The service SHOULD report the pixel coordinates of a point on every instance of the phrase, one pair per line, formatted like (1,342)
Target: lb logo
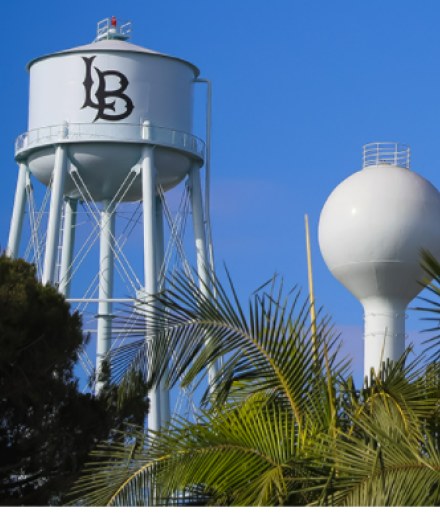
(105,110)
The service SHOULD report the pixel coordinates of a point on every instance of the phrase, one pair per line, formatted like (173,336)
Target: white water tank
(110,123)
(105,100)
(371,230)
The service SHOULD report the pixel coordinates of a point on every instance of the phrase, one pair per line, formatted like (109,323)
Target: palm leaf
(385,468)
(270,349)
(431,283)
(253,454)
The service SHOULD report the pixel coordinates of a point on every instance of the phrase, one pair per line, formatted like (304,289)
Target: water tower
(371,230)
(110,124)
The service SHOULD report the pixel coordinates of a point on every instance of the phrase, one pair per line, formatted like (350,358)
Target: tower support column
(384,332)
(18,212)
(70,210)
(106,276)
(200,241)
(150,270)
(56,202)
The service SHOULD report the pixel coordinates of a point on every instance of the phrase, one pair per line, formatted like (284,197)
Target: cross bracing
(88,226)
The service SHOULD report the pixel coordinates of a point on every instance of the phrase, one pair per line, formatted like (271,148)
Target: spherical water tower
(371,230)
(111,122)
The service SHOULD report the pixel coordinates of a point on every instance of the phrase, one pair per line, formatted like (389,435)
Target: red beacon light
(113,21)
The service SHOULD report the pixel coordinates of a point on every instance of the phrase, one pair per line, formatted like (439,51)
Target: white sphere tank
(105,100)
(371,231)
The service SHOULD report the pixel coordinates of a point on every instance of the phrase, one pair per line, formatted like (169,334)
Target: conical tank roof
(112,46)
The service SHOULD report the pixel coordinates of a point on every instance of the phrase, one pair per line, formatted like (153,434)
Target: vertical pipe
(106,275)
(165,415)
(56,201)
(208,169)
(150,271)
(208,179)
(17,214)
(311,293)
(200,241)
(68,246)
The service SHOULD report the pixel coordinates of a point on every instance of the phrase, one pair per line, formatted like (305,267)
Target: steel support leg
(17,214)
(165,415)
(150,271)
(71,206)
(200,241)
(56,202)
(106,275)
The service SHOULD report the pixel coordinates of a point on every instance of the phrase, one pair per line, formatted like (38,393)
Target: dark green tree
(47,427)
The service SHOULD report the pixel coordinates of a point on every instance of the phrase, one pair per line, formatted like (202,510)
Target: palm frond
(431,283)
(252,454)
(386,467)
(404,388)
(269,348)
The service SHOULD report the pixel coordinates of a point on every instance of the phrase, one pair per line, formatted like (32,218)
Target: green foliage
(283,423)
(47,427)
(432,311)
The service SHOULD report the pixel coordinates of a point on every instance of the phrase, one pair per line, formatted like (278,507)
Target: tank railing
(110,132)
(104,27)
(125,28)
(394,154)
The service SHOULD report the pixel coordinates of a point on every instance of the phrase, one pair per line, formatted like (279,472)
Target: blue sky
(299,87)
